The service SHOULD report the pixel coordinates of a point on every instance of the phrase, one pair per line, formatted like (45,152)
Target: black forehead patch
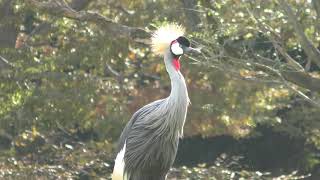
(184,41)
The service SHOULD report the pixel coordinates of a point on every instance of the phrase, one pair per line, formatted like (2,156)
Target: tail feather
(118,170)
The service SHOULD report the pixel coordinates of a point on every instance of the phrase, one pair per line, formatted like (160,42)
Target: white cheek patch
(176,49)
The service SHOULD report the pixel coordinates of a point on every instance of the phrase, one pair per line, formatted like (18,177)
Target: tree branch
(192,16)
(8,29)
(6,9)
(285,82)
(5,62)
(61,9)
(264,27)
(316,5)
(298,76)
(312,52)
(302,79)
(79,4)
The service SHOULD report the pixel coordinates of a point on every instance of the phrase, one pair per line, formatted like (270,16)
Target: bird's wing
(142,112)
(138,137)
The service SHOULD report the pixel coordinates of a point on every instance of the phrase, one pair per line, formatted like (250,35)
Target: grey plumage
(152,134)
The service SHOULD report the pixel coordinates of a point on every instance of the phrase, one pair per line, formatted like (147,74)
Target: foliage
(63,77)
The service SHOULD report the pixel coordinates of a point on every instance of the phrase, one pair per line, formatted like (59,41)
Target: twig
(111,70)
(312,52)
(301,94)
(60,9)
(6,61)
(291,62)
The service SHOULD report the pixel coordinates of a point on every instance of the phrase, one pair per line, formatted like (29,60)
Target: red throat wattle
(176,63)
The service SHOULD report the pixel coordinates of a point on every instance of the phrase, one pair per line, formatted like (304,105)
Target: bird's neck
(179,92)
(178,84)
(178,99)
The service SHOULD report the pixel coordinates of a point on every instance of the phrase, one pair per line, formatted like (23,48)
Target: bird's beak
(192,50)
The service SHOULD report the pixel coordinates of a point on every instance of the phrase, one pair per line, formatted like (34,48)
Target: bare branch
(60,9)
(5,61)
(192,16)
(302,79)
(300,93)
(279,74)
(299,78)
(312,52)
(110,70)
(3,133)
(291,62)
(118,5)
(6,9)
(264,27)
(316,5)
(79,4)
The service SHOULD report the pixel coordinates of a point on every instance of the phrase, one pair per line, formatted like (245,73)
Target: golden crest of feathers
(164,35)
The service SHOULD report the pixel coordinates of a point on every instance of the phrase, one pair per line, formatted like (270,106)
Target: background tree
(73,71)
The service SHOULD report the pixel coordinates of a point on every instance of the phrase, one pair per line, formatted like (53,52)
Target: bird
(148,144)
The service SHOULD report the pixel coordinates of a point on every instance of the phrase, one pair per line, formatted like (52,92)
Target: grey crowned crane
(149,142)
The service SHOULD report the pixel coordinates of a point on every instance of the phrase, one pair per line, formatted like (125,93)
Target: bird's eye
(176,49)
